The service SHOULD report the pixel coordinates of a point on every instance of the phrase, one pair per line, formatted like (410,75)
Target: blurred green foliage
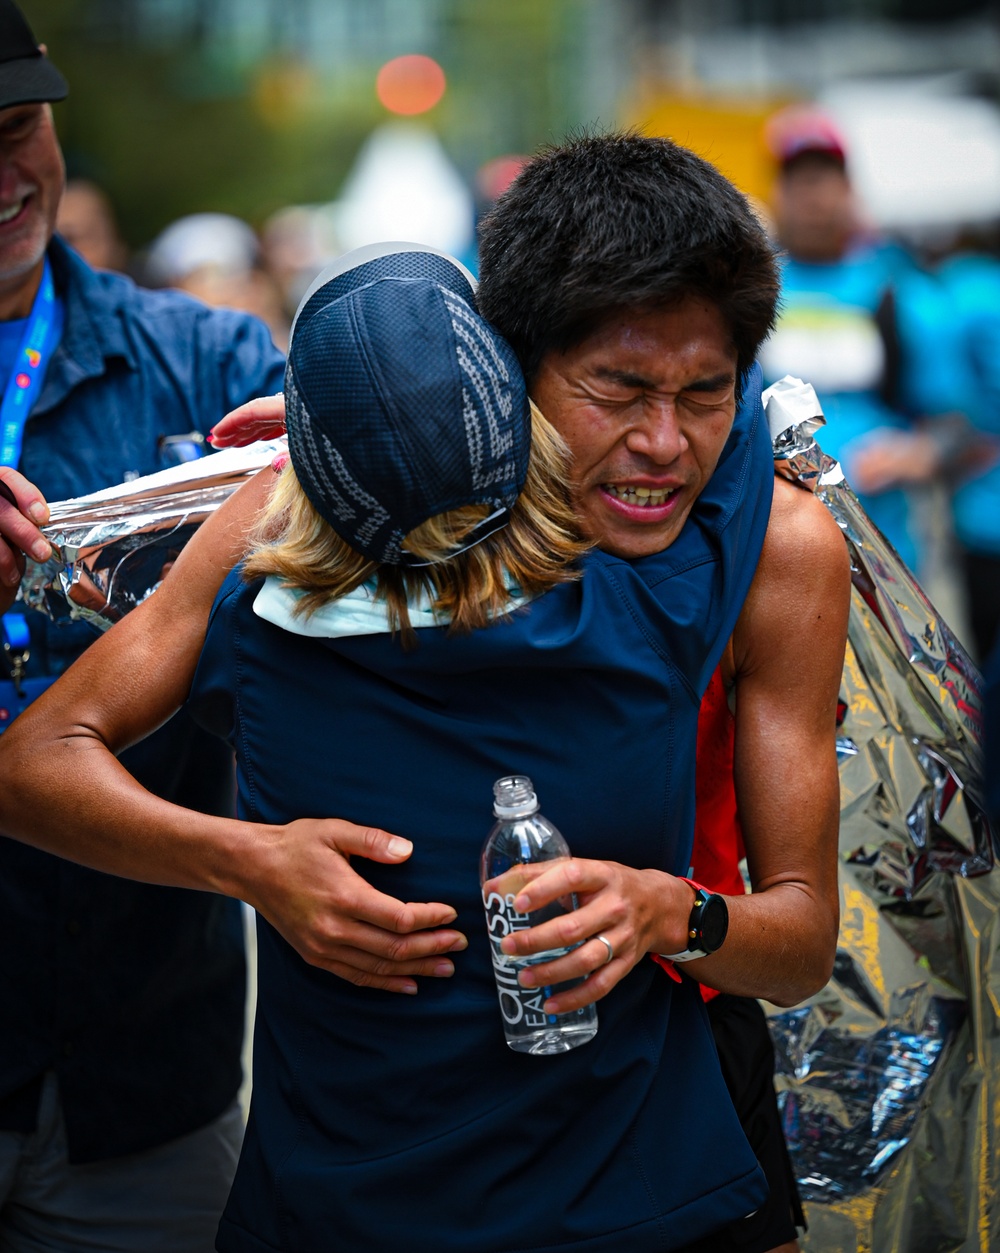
(173,111)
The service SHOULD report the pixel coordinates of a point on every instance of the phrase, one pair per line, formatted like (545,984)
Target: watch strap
(701,894)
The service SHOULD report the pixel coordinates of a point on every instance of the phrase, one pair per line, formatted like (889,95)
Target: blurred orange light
(410,84)
(493,178)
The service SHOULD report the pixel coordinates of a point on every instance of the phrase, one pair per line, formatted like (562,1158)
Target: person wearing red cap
(862,324)
(123,1004)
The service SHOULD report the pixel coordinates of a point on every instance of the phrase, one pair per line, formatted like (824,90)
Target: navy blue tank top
(386,1122)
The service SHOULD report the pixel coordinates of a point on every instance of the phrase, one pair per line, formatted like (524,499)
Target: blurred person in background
(971,275)
(216,257)
(123,1003)
(875,336)
(86,221)
(296,242)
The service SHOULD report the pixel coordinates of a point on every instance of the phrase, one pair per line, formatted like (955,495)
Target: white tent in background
(921,156)
(403,186)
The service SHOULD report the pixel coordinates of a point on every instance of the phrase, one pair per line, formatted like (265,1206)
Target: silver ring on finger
(607,944)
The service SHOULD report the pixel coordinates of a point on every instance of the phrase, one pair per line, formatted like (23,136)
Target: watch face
(713,924)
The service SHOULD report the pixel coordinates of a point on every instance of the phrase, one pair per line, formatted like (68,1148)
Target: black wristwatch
(707,925)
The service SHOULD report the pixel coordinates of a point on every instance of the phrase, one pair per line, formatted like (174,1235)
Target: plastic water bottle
(518,850)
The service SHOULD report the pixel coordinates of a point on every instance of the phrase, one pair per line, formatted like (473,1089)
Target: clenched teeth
(642,496)
(7,215)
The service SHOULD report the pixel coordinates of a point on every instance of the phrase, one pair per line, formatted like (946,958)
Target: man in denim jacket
(123,1002)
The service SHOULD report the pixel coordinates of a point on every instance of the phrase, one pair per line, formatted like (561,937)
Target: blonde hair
(538,548)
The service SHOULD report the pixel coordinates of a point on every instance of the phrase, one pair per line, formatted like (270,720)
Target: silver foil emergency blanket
(889,1079)
(112,548)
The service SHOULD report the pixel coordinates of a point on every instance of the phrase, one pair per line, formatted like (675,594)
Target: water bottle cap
(514,797)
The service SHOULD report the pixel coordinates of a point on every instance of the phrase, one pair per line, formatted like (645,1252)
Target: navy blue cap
(27,76)
(403,403)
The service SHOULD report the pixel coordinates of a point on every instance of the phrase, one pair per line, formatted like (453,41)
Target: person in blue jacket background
(972,277)
(874,334)
(120,1055)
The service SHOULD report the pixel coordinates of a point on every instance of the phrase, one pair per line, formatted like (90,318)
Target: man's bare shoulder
(800,595)
(802,536)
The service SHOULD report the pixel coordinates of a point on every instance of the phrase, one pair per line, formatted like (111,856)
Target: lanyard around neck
(41,336)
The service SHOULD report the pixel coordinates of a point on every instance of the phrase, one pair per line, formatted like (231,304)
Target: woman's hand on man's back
(303,883)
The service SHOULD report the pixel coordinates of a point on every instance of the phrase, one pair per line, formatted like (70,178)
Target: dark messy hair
(605,223)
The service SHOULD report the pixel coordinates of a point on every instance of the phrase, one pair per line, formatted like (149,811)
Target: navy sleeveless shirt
(386,1122)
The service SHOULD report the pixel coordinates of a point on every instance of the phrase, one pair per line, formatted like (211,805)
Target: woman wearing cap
(417,616)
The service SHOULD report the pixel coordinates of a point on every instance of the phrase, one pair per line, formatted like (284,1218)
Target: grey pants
(165,1200)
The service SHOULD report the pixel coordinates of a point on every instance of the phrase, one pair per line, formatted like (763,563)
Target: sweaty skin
(646,404)
(782,939)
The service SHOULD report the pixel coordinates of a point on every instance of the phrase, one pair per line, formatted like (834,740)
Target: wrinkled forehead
(689,327)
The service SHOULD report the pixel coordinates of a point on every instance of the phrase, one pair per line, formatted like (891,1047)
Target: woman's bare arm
(65,791)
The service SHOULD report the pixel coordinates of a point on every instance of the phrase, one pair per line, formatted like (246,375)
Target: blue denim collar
(93,329)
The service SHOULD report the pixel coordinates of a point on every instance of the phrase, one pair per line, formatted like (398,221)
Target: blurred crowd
(900,337)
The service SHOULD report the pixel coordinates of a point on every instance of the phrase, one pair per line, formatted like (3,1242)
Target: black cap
(27,76)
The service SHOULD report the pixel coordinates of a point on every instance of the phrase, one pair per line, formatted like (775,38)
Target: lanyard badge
(39,342)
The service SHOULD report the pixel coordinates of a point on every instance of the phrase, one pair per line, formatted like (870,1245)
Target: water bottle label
(521,1007)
